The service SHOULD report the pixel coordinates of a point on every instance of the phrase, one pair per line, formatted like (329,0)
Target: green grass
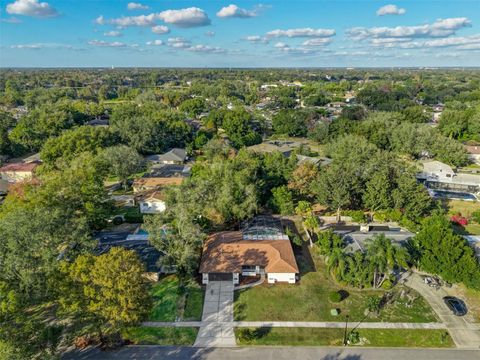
(169,303)
(165,297)
(161,335)
(308,301)
(334,337)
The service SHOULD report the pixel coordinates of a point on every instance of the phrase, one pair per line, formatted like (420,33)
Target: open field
(334,337)
(308,301)
(161,335)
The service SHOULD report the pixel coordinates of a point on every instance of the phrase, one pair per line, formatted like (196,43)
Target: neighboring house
(440,176)
(152,202)
(136,241)
(319,161)
(32,158)
(355,236)
(473,153)
(285,147)
(16,172)
(229,254)
(174,156)
(154,183)
(160,176)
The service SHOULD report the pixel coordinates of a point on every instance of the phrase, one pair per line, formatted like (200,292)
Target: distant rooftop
(174,155)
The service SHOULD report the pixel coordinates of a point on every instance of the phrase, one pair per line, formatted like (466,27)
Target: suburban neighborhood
(285,180)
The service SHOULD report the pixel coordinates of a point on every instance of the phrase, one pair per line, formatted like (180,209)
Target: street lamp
(345,335)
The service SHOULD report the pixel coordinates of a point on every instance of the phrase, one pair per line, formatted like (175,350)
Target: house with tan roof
(152,202)
(16,172)
(228,255)
(154,183)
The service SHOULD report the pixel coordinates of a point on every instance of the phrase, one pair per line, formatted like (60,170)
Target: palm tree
(336,263)
(383,257)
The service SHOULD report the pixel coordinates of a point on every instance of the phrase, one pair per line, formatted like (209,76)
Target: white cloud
(100,20)
(317,42)
(189,17)
(390,10)
(304,32)
(185,18)
(11,20)
(439,28)
(209,33)
(178,43)
(155,43)
(113,33)
(101,43)
(37,46)
(232,11)
(160,29)
(285,48)
(206,49)
(136,6)
(31,8)
(255,39)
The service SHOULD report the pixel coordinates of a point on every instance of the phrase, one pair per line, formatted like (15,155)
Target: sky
(281,33)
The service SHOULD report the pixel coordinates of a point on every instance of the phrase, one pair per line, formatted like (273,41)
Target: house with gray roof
(356,237)
(174,156)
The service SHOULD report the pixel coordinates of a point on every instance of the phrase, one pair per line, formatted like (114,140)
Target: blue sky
(91,33)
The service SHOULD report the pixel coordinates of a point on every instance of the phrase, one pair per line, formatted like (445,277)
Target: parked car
(456,305)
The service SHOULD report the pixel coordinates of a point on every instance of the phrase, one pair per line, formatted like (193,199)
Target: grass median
(278,336)
(161,335)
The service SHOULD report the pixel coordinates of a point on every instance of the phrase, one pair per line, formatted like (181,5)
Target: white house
(230,254)
(152,202)
(437,175)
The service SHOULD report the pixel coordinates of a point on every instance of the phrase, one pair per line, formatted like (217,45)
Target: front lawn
(308,300)
(161,335)
(171,303)
(334,337)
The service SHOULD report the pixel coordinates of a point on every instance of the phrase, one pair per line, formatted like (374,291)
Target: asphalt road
(272,353)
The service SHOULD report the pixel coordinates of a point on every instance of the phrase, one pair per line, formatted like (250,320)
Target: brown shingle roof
(23,167)
(153,181)
(226,252)
(473,149)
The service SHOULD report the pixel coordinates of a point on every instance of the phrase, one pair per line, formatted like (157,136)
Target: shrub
(246,335)
(373,303)
(356,215)
(459,219)
(387,285)
(335,297)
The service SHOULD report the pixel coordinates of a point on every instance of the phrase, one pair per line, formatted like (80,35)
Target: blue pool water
(444,194)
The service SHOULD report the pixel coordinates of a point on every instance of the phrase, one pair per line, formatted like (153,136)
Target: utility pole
(345,335)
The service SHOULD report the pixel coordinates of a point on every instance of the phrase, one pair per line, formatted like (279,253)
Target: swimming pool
(445,194)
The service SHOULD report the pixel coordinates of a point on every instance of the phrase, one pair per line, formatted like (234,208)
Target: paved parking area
(217,318)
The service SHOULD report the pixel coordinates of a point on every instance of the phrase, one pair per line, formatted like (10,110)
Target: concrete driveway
(217,319)
(465,334)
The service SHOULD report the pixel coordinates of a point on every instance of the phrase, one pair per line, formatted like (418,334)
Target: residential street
(272,353)
(464,333)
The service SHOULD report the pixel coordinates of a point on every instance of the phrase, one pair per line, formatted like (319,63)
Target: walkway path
(216,327)
(305,324)
(465,334)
